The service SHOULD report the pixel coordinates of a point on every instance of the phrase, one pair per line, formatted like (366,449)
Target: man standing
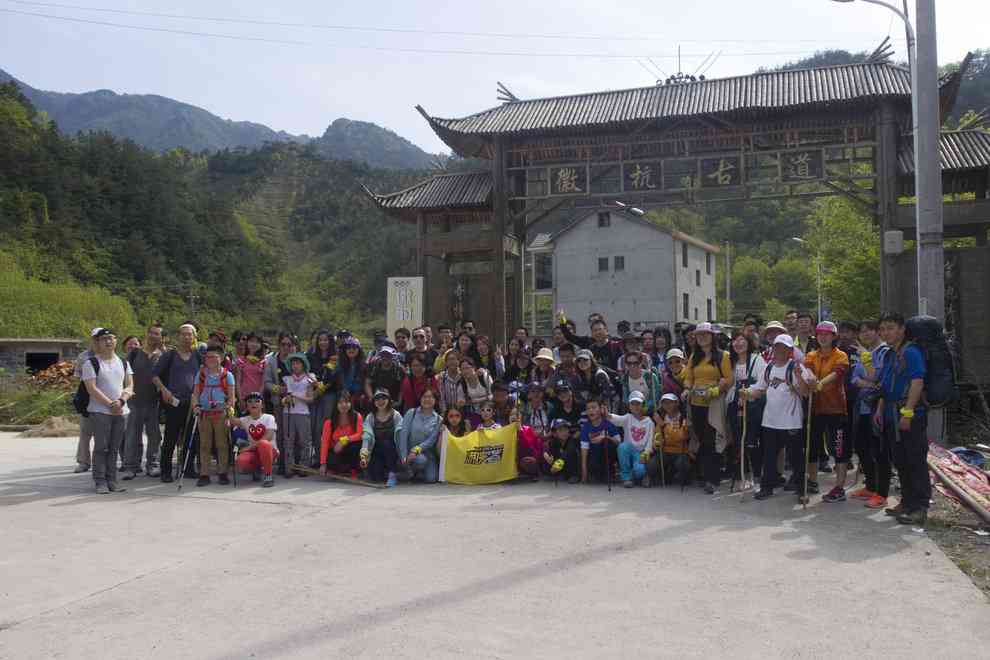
(175,377)
(108,380)
(805,339)
(144,408)
(421,347)
(402,341)
(385,373)
(791,322)
(904,421)
(85,423)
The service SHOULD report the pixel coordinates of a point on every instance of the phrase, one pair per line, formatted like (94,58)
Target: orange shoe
(876,502)
(862,494)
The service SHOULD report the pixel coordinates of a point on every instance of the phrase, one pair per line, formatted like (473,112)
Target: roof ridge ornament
(882,53)
(504,94)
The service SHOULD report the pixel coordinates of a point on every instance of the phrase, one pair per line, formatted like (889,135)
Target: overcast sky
(327,73)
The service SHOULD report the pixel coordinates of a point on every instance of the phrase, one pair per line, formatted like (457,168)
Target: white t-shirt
(297,388)
(110,381)
(257,428)
(639,385)
(636,432)
(783,410)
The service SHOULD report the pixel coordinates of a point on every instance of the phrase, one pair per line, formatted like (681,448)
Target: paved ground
(311,569)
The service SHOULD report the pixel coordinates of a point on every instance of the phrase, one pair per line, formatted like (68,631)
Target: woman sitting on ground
(340,442)
(420,431)
(258,457)
(380,440)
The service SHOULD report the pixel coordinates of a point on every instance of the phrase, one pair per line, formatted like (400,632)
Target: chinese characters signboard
(404,307)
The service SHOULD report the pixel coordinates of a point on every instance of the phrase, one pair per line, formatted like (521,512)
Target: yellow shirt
(705,375)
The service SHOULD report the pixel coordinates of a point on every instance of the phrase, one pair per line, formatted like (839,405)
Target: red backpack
(204,386)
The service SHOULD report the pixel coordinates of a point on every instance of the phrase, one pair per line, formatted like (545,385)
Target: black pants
(570,452)
(773,441)
(828,438)
(597,470)
(911,459)
(754,424)
(709,458)
(178,423)
(384,459)
(799,458)
(869,449)
(348,459)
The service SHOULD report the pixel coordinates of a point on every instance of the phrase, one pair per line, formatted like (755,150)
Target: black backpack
(925,332)
(80,400)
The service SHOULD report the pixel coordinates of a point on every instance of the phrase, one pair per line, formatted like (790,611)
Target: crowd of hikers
(776,403)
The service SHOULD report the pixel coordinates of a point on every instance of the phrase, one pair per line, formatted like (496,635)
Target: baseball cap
(102,332)
(585,354)
(826,326)
(704,327)
(774,325)
(675,353)
(254,396)
(382,393)
(557,423)
(668,397)
(561,386)
(785,340)
(387,350)
(95,332)
(636,397)
(351,340)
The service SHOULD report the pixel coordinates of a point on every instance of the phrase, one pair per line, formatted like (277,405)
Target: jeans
(629,465)
(911,459)
(424,466)
(108,434)
(384,459)
(142,420)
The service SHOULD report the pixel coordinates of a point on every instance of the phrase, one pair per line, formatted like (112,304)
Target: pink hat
(826,326)
(704,327)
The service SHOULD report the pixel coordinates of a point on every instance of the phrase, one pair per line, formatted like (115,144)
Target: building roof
(632,217)
(958,150)
(38,340)
(464,189)
(752,94)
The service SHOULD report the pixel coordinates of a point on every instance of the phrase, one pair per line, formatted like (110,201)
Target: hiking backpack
(222,385)
(80,400)
(925,332)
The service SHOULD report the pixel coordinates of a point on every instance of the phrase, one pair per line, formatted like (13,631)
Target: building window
(602,264)
(708,263)
(686,300)
(543,271)
(604,219)
(710,319)
(620,264)
(684,255)
(695,313)
(697,277)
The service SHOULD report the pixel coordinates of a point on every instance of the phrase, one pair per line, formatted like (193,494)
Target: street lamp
(818,262)
(925,110)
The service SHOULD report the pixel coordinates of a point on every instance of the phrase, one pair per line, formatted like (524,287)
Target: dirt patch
(954,529)
(54,427)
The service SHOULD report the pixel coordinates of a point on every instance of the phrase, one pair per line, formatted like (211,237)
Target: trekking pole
(608,470)
(663,472)
(807,450)
(189,444)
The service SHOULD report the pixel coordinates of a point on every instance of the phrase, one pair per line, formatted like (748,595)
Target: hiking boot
(392,480)
(130,474)
(763,494)
(268,481)
(895,511)
(203,481)
(114,488)
(101,489)
(628,483)
(916,518)
(813,488)
(876,502)
(80,468)
(223,479)
(863,494)
(153,472)
(835,495)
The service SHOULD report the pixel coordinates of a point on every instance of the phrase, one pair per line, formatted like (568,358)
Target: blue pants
(629,466)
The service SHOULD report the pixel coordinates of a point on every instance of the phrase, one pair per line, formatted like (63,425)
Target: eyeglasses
(419,336)
(632,364)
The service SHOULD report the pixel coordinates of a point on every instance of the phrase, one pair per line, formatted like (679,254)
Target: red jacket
(412,390)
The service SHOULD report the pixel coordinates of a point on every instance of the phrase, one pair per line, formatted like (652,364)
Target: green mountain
(161,123)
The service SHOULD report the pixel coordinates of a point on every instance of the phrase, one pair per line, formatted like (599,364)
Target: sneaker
(835,495)
(203,481)
(876,502)
(223,479)
(895,511)
(628,483)
(101,489)
(268,481)
(916,518)
(114,488)
(813,488)
(763,494)
(825,467)
(81,468)
(153,472)
(391,481)
(130,474)
(863,494)
(645,482)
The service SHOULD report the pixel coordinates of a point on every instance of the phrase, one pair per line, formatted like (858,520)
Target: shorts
(829,437)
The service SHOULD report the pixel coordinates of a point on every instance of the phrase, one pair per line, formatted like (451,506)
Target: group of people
(704,404)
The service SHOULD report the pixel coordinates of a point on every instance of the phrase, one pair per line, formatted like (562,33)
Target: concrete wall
(643,291)
(13,355)
(698,295)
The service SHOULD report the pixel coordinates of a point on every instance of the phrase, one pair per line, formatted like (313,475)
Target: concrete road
(316,569)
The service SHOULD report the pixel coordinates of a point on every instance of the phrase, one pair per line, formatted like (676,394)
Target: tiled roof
(441,191)
(958,150)
(755,93)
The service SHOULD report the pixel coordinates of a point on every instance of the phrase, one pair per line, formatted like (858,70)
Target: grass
(22,402)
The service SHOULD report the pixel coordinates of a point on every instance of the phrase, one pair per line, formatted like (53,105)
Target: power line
(394,49)
(422,31)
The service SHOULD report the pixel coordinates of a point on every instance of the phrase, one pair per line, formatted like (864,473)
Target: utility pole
(728,284)
(927,171)
(192,303)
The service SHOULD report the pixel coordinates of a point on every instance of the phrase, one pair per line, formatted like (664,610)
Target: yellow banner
(480,457)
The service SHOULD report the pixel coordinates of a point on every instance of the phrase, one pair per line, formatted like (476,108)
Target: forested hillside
(247,238)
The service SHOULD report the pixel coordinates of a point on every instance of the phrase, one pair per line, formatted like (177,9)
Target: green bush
(23,402)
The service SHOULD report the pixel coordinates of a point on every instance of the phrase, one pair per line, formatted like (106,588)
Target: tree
(751,285)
